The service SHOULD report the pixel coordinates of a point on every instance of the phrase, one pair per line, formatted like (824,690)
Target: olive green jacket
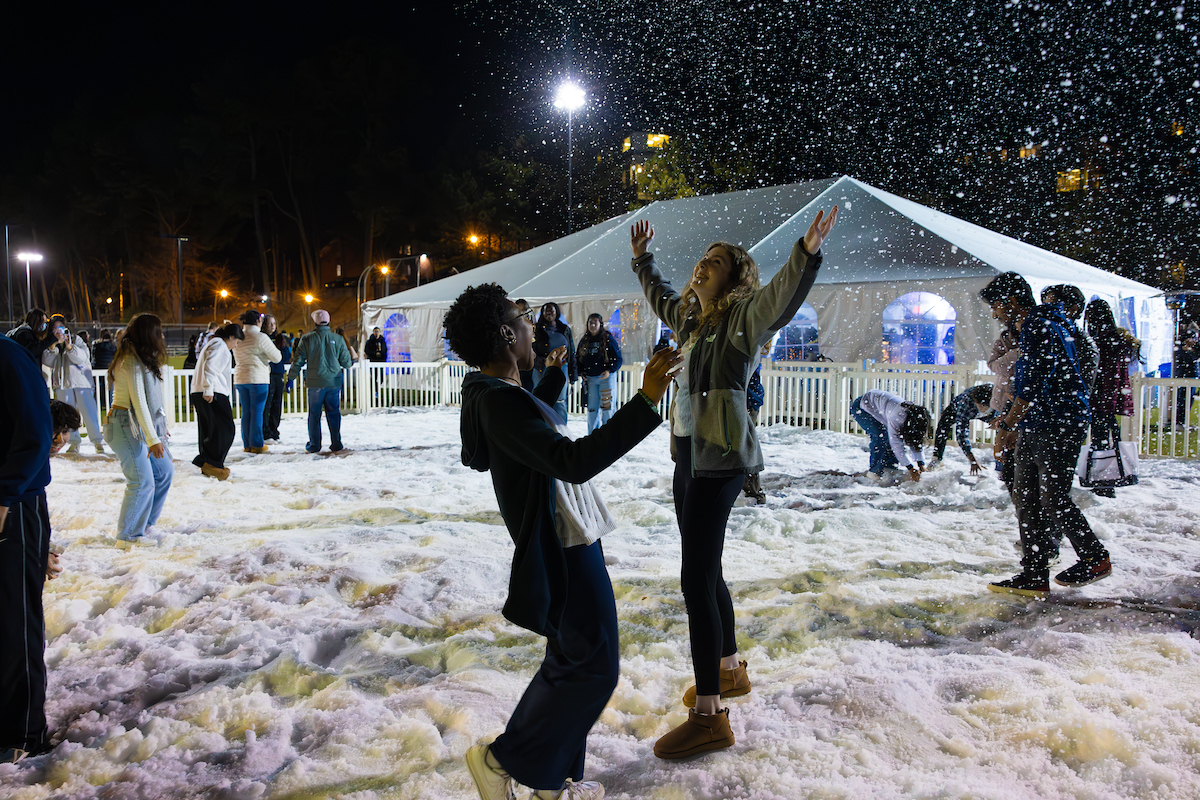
(724,356)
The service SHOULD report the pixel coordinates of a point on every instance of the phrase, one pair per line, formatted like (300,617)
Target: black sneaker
(1024,584)
(1084,572)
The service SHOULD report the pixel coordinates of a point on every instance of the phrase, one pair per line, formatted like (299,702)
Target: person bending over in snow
(971,404)
(558,586)
(893,425)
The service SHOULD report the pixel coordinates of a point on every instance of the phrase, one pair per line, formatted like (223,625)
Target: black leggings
(702,506)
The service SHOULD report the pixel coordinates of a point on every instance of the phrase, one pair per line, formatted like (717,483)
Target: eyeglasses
(527,314)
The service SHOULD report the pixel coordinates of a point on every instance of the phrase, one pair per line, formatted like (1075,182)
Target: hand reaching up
(640,236)
(819,230)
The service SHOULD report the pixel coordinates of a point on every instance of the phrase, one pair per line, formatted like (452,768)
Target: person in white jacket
(70,365)
(138,425)
(254,355)
(895,426)
(211,390)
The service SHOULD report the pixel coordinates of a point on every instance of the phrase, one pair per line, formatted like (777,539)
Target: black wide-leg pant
(702,507)
(24,551)
(214,427)
(546,739)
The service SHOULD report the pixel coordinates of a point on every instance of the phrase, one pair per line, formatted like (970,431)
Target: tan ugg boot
(734,683)
(700,734)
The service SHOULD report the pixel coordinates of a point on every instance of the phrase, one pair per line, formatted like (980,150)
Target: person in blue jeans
(253,356)
(138,426)
(549,334)
(598,359)
(894,426)
(326,355)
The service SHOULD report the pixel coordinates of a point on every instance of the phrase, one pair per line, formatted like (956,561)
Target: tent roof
(880,237)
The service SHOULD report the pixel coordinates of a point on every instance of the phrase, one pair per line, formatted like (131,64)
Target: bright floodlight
(570,97)
(264,298)
(308,298)
(27,257)
(224,293)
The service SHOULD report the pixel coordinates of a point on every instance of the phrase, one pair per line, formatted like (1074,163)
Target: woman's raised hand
(640,236)
(819,230)
(657,376)
(557,357)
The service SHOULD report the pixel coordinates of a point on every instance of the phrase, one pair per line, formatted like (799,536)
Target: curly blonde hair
(743,282)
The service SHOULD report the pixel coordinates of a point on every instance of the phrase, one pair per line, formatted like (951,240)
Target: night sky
(60,55)
(117,121)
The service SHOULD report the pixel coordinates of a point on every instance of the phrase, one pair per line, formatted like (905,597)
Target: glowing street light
(27,258)
(308,298)
(473,239)
(570,96)
(224,293)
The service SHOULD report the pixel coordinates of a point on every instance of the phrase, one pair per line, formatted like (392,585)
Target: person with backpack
(598,358)
(1111,397)
(1045,427)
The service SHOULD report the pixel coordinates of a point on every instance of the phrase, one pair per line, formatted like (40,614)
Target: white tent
(883,248)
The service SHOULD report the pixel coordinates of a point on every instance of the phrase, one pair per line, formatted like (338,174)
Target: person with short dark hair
(1111,397)
(376,347)
(974,403)
(255,353)
(1048,422)
(211,392)
(26,433)
(1011,299)
(559,587)
(273,411)
(895,427)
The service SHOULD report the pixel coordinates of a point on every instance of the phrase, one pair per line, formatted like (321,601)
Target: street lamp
(222,294)
(27,258)
(571,97)
(308,298)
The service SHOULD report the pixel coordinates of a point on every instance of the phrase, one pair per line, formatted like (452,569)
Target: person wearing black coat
(549,334)
(26,432)
(33,334)
(598,359)
(557,588)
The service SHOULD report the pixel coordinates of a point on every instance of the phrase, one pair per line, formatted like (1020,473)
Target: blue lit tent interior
(900,282)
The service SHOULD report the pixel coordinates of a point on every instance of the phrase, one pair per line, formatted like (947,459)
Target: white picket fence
(816,395)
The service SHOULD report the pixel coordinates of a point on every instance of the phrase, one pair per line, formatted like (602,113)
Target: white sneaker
(584,790)
(490,782)
(100,448)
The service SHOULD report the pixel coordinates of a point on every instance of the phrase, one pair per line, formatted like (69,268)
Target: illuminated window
(395,333)
(797,341)
(626,145)
(1031,151)
(1177,128)
(614,327)
(658,140)
(918,328)
(1075,179)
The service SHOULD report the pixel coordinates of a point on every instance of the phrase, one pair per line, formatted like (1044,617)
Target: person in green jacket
(326,355)
(722,317)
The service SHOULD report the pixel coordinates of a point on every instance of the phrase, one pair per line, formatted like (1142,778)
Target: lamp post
(27,258)
(222,294)
(308,298)
(179,240)
(571,97)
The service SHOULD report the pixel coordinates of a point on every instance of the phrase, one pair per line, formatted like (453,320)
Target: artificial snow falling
(329,626)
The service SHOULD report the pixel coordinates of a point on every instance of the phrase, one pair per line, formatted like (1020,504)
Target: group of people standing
(559,587)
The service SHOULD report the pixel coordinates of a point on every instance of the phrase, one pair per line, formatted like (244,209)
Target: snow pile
(329,627)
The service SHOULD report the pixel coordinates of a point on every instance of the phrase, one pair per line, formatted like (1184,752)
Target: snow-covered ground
(330,627)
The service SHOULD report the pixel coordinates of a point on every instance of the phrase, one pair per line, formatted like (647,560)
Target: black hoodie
(503,432)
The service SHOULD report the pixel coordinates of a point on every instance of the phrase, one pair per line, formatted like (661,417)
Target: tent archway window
(918,328)
(395,333)
(614,327)
(799,339)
